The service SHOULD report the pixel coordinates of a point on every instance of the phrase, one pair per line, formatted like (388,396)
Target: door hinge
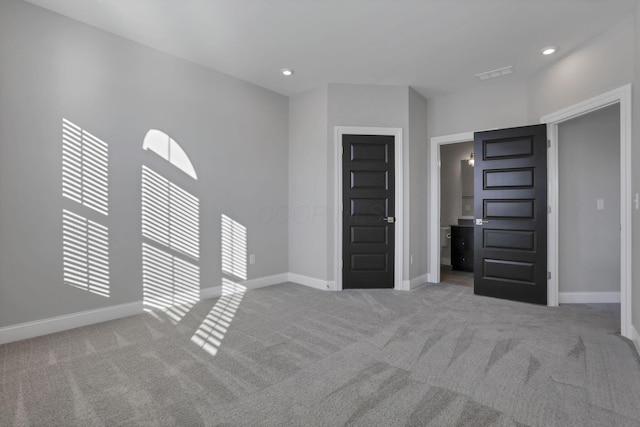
(548,143)
(548,275)
(548,209)
(341,150)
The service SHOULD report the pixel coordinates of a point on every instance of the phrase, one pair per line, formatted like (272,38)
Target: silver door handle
(480,221)
(390,219)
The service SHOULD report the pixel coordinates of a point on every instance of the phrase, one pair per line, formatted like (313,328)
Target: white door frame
(621,96)
(399,200)
(434,198)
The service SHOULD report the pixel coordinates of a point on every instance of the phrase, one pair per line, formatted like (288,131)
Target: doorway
(621,96)
(456,213)
(435,191)
(589,209)
(368,220)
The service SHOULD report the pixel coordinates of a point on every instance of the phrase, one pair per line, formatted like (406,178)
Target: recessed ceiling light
(287,72)
(548,50)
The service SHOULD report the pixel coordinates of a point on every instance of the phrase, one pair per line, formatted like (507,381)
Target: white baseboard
(261,282)
(588,297)
(52,325)
(416,281)
(84,318)
(635,338)
(312,282)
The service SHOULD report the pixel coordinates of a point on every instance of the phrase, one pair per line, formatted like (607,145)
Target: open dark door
(510,198)
(368,200)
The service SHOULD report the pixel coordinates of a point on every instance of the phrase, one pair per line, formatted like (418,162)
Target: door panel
(499,179)
(509,239)
(510,235)
(499,209)
(367,199)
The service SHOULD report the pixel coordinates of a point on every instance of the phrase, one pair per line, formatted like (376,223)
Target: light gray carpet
(293,356)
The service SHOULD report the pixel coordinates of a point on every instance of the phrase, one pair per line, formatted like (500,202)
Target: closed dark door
(510,198)
(368,204)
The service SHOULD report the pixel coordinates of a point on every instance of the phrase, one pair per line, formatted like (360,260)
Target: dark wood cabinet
(462,248)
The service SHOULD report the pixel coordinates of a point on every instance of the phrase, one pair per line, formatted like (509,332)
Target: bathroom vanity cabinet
(462,247)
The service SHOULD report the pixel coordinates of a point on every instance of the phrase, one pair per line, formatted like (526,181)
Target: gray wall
(451,181)
(53,68)
(313,118)
(498,103)
(636,174)
(589,169)
(418,181)
(600,65)
(369,106)
(308,183)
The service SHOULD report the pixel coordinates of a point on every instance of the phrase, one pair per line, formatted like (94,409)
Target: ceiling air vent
(495,73)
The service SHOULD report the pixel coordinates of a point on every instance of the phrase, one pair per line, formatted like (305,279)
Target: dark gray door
(368,202)
(510,201)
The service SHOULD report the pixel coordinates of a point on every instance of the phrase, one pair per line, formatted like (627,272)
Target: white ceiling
(436,46)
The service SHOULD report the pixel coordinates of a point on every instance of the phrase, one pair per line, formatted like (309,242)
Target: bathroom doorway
(456,213)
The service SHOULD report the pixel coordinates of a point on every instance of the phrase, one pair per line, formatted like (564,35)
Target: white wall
(589,169)
(52,68)
(308,176)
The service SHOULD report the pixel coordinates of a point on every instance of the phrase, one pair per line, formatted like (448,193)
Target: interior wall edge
(311,282)
(416,282)
(635,338)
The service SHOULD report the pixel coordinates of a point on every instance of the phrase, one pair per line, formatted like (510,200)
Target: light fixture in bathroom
(287,72)
(471,160)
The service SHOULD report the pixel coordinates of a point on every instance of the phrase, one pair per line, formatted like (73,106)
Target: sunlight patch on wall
(170,215)
(167,280)
(85,193)
(234,248)
(171,228)
(160,143)
(85,163)
(85,252)
(211,332)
